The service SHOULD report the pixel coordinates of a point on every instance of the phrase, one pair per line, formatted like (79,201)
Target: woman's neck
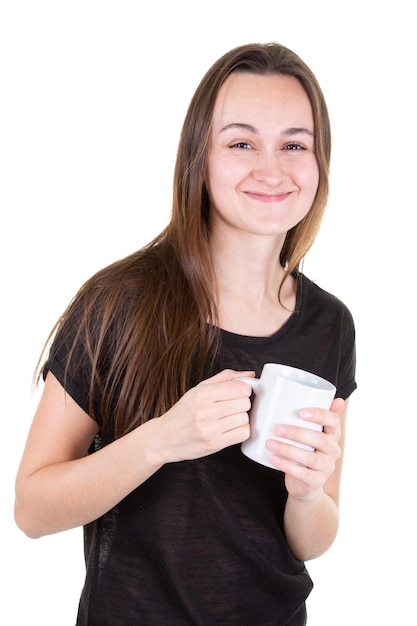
(247,285)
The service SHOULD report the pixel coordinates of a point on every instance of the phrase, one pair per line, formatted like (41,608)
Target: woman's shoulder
(312,298)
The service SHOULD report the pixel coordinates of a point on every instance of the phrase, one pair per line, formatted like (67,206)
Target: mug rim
(305,377)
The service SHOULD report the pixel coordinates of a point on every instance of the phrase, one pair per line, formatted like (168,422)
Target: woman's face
(262,172)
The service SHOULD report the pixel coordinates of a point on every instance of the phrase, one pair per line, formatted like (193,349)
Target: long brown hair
(145,327)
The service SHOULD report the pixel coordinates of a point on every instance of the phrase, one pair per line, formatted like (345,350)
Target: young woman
(138,431)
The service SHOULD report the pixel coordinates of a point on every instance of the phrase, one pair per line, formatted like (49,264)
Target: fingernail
(273,445)
(280,429)
(306,414)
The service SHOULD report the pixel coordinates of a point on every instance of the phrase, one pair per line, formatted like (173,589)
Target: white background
(93,96)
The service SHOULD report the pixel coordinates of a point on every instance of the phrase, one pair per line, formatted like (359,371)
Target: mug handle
(253,382)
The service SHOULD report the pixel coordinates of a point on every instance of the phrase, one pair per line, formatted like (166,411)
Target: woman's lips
(268,198)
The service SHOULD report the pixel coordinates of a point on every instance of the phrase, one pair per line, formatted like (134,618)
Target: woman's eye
(294,146)
(241,145)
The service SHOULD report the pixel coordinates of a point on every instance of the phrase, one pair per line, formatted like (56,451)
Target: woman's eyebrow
(240,125)
(294,130)
(298,131)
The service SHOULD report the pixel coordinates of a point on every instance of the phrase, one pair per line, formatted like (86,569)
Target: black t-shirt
(201,542)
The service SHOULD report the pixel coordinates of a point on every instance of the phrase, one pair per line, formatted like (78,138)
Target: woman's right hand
(209,417)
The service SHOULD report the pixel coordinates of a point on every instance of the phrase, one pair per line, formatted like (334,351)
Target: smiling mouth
(268,197)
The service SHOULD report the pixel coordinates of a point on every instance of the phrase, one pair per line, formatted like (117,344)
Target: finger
(235,421)
(223,409)
(286,453)
(215,391)
(337,405)
(321,441)
(320,416)
(227,375)
(286,456)
(307,476)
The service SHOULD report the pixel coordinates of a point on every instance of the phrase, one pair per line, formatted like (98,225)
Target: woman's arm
(311,517)
(59,486)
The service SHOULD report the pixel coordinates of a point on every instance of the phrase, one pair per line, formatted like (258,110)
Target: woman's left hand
(307,471)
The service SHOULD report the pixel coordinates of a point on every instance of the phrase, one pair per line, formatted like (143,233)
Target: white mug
(280,394)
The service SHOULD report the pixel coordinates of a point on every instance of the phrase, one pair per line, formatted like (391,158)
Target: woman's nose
(270,168)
